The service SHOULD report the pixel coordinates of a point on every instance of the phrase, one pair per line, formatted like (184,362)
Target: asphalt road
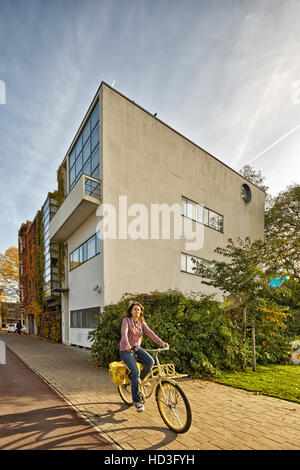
(33,416)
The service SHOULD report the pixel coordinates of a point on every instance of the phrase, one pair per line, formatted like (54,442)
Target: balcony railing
(79,204)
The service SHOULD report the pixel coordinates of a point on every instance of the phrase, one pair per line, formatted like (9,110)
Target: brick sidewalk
(224,418)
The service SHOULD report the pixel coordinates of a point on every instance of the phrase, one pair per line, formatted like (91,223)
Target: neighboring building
(120,149)
(13,312)
(27,241)
(38,268)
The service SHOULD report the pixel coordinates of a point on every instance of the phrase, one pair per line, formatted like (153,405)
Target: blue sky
(225,73)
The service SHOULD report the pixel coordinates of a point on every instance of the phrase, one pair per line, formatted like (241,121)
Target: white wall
(82,280)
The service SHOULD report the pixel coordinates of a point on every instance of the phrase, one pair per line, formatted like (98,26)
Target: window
(86,150)
(86,251)
(72,158)
(95,159)
(78,146)
(95,137)
(84,157)
(91,247)
(188,265)
(202,214)
(84,318)
(246,193)
(49,249)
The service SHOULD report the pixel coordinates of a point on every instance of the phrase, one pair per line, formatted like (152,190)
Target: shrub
(203,339)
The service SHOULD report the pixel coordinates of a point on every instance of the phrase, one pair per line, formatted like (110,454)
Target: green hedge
(203,339)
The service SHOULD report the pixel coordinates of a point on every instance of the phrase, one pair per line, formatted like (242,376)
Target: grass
(279,381)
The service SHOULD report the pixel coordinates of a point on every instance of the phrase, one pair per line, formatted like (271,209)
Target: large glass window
(50,249)
(85,156)
(85,318)
(202,214)
(86,251)
(188,266)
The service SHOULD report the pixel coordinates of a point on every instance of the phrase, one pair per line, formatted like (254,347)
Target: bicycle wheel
(125,392)
(173,406)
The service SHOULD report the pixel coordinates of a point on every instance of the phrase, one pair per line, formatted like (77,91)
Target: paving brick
(223,417)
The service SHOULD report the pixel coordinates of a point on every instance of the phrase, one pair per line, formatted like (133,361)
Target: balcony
(79,204)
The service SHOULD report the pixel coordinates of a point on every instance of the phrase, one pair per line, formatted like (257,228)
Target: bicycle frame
(158,373)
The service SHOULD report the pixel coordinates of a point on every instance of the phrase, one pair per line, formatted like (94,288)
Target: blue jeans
(130,361)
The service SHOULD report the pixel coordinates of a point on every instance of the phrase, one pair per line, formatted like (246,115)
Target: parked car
(12,328)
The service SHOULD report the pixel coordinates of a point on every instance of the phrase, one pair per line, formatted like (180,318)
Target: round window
(246,193)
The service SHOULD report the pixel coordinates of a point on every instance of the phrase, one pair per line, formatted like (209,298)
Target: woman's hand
(165,345)
(128,348)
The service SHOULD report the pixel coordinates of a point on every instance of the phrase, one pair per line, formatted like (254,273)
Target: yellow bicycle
(171,401)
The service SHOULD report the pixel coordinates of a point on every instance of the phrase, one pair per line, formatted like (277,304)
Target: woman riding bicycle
(133,327)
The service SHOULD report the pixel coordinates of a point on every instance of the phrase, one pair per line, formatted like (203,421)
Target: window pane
(213,220)
(95,137)
(84,253)
(72,175)
(205,218)
(91,247)
(76,258)
(95,159)
(86,132)
(98,244)
(78,146)
(191,210)
(200,213)
(189,264)
(78,165)
(96,174)
(86,150)
(87,168)
(183,262)
(72,158)
(95,116)
(221,223)
(85,319)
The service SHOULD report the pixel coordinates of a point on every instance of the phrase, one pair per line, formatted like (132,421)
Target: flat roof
(162,122)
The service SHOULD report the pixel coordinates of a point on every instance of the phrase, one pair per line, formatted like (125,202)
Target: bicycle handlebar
(158,350)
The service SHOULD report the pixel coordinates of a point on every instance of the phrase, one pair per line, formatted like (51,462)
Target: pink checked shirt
(132,333)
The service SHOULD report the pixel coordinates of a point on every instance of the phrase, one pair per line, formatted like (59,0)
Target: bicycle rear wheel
(125,392)
(173,406)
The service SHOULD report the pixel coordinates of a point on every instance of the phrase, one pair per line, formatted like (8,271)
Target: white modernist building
(162,199)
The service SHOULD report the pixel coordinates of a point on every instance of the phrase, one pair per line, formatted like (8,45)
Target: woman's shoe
(139,405)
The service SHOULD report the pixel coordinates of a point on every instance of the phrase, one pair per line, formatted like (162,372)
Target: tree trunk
(253,346)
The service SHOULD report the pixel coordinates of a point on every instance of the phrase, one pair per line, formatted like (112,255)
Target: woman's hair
(129,314)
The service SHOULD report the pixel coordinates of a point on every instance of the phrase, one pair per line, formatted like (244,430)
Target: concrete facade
(146,162)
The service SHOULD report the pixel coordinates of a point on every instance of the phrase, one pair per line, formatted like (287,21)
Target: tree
(242,276)
(254,176)
(282,228)
(9,273)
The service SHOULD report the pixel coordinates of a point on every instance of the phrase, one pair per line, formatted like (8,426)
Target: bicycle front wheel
(173,406)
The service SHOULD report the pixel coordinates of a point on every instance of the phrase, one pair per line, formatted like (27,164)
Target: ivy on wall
(60,186)
(52,326)
(39,270)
